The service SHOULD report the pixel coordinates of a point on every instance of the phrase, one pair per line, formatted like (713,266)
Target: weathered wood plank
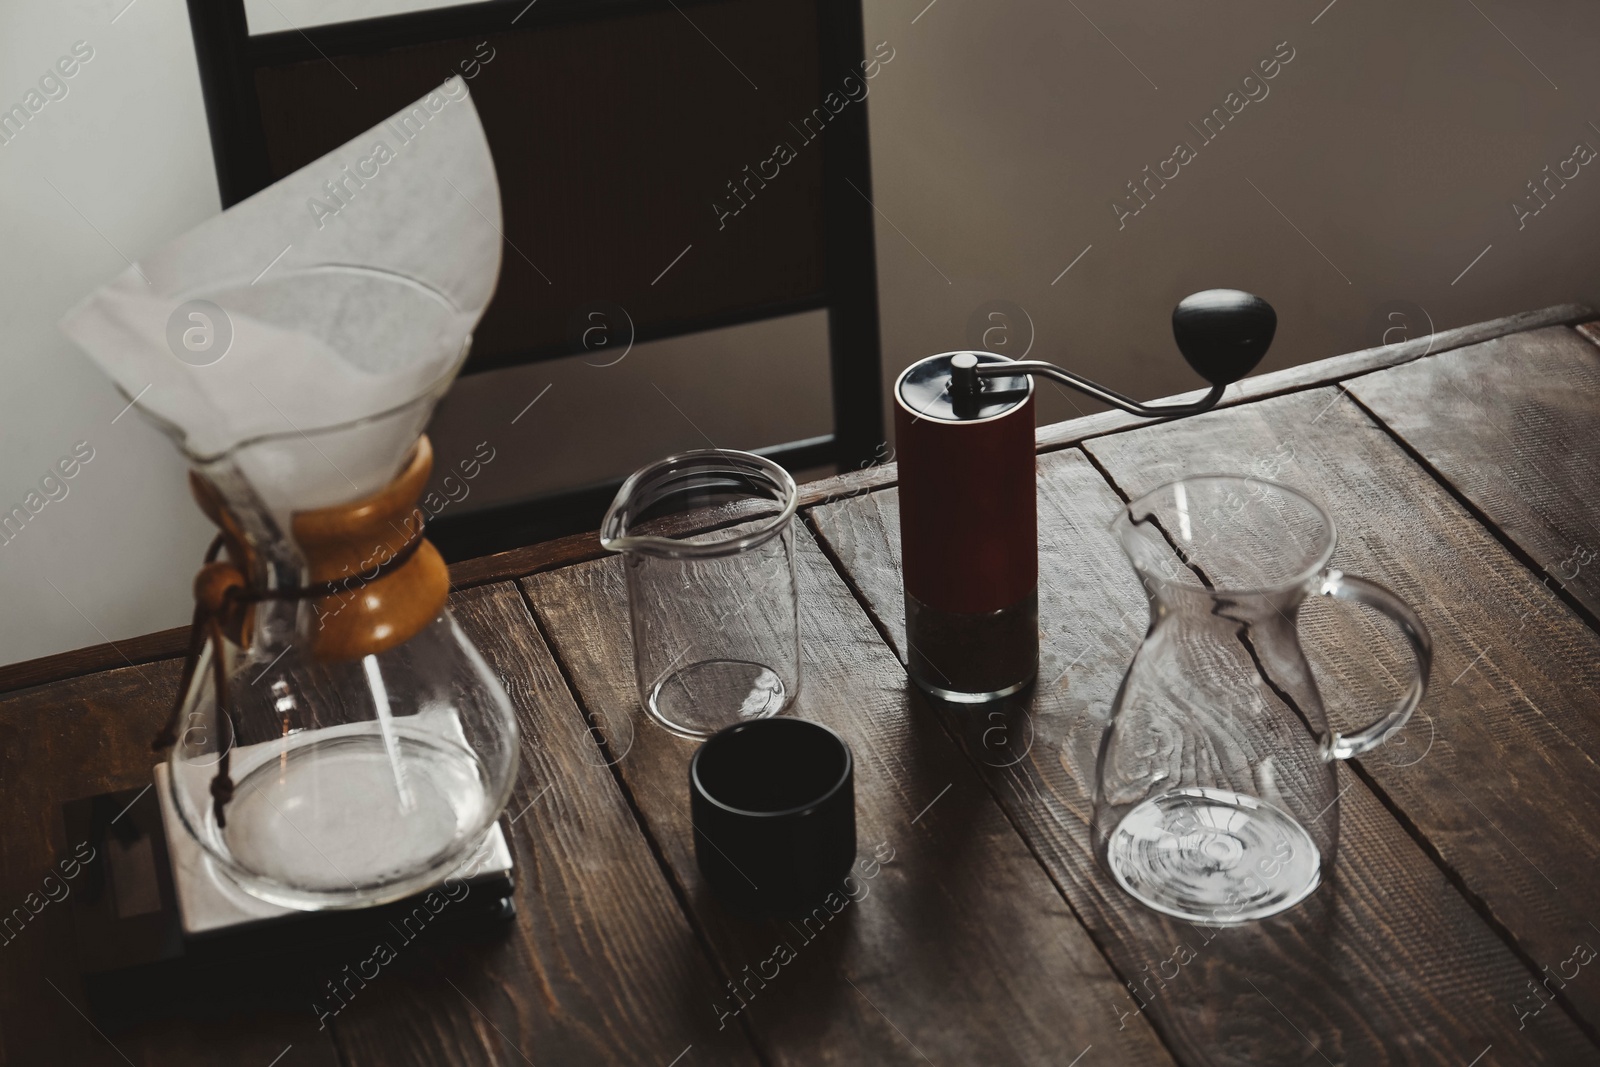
(959,951)
(1499,776)
(596,967)
(135,651)
(600,965)
(1510,425)
(76,739)
(518,562)
(1387,964)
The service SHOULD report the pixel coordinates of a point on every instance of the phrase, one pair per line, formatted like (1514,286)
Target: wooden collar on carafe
(371,598)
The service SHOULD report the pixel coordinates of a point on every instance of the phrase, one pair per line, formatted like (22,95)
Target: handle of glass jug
(1343,586)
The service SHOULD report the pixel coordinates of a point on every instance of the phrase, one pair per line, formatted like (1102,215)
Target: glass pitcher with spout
(707,538)
(1216,796)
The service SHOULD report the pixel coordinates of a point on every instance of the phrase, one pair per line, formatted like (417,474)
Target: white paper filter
(345,290)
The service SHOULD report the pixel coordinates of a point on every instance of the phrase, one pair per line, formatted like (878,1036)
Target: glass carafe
(338,741)
(363,748)
(1216,797)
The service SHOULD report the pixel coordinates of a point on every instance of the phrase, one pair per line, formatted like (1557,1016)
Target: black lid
(924,390)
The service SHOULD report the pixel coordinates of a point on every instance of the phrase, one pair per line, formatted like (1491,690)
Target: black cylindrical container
(773,804)
(969,533)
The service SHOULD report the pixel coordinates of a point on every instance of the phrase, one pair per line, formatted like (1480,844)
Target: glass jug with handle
(1216,795)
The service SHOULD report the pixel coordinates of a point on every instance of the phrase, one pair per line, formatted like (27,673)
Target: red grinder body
(969,533)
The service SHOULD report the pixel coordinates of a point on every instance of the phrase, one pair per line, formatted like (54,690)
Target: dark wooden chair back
(637,144)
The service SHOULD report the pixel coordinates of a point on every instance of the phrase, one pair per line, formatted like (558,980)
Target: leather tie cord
(227,592)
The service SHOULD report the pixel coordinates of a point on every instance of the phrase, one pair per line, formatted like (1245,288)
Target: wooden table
(1459,926)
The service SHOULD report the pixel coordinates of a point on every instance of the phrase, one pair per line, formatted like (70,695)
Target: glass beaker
(707,539)
(1216,795)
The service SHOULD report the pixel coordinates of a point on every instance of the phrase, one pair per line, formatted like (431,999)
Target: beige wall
(116,168)
(1394,142)
(1366,174)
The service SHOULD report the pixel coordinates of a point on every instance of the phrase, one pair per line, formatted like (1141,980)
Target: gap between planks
(882,631)
(679,894)
(1510,544)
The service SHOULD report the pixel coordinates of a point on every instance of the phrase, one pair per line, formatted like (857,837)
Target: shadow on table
(785,971)
(245,978)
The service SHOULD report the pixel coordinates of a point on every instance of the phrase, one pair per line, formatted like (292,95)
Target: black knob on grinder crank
(1223,333)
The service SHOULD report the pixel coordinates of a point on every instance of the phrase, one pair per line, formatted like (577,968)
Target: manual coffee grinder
(969,535)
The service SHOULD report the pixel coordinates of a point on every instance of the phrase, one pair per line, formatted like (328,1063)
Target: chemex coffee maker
(964,426)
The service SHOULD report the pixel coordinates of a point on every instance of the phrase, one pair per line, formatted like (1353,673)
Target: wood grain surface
(960,949)
(76,739)
(1498,776)
(601,965)
(1347,975)
(1459,925)
(1510,426)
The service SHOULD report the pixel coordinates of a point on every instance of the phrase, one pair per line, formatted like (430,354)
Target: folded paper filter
(294,348)
(346,290)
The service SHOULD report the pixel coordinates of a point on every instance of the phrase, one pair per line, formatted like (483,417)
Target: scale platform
(147,904)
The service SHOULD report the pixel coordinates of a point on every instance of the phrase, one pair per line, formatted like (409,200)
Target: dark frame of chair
(228,57)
